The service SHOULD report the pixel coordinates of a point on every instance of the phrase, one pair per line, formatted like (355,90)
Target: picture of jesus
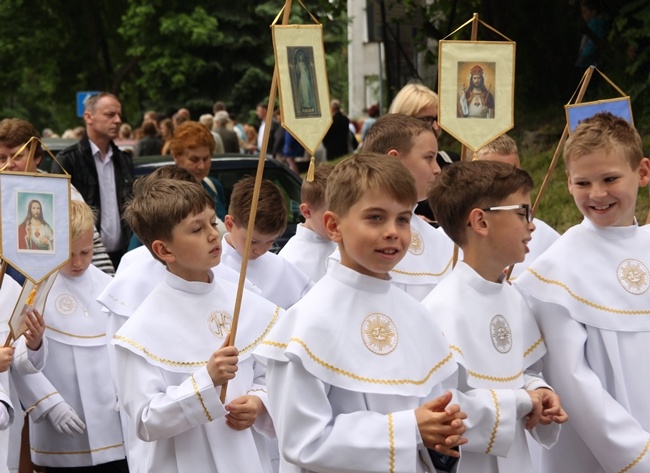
(34,233)
(476,100)
(304,88)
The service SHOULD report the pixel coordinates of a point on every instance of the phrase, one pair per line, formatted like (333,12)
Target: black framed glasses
(429,120)
(526,207)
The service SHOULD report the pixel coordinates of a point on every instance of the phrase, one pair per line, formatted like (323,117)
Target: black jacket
(78,161)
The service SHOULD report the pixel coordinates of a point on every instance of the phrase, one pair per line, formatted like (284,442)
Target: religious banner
(303,86)
(35,222)
(32,297)
(476,88)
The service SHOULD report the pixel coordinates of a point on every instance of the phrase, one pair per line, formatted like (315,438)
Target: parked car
(230,168)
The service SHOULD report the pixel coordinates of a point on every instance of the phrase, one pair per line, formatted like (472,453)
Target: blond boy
(414,144)
(590,295)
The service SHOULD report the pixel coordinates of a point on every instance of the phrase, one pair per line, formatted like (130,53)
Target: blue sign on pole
(81,100)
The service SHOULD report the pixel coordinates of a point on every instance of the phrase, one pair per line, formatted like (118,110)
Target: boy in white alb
(137,275)
(72,403)
(279,280)
(484,207)
(590,293)
(504,149)
(428,259)
(15,359)
(310,247)
(170,371)
(365,361)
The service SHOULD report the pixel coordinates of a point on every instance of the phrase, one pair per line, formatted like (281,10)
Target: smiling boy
(484,207)
(590,295)
(364,360)
(170,372)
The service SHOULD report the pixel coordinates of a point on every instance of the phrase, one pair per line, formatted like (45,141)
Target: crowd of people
(463,335)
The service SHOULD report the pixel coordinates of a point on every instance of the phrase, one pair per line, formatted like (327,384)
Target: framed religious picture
(35,222)
(476,89)
(577,112)
(32,296)
(303,86)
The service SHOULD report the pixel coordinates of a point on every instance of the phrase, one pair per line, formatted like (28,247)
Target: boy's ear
(478,222)
(331,221)
(644,172)
(305,210)
(393,152)
(229,221)
(568,182)
(160,249)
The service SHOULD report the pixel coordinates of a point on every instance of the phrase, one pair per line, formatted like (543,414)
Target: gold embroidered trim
(364,379)
(198,394)
(391,442)
(257,390)
(494,378)
(30,409)
(496,421)
(585,301)
(533,347)
(407,273)
(157,358)
(75,336)
(83,452)
(264,334)
(637,459)
(197,363)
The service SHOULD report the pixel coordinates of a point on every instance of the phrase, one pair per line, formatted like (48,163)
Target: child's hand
(243,411)
(35,329)
(552,410)
(441,426)
(6,357)
(222,365)
(534,415)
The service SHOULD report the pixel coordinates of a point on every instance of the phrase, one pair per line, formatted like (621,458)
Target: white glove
(65,420)
(5,418)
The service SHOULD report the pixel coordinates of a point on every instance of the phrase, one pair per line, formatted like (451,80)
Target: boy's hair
(271,216)
(394,131)
(16,132)
(82,218)
(170,171)
(467,185)
(502,145)
(313,193)
(158,205)
(605,132)
(363,172)
(190,134)
(412,98)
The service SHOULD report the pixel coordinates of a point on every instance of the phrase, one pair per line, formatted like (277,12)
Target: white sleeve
(36,393)
(161,411)
(612,434)
(312,436)
(28,361)
(263,424)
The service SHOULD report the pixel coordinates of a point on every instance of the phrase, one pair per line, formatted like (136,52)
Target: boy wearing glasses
(484,207)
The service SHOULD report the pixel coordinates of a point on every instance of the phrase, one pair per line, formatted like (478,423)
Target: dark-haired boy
(484,207)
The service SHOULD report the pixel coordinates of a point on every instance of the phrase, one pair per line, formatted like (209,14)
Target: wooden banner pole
(256,195)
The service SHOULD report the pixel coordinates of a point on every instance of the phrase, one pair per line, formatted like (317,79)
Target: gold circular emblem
(417,244)
(501,334)
(379,334)
(219,323)
(633,276)
(65,305)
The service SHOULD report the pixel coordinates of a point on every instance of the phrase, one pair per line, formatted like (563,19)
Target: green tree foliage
(154,54)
